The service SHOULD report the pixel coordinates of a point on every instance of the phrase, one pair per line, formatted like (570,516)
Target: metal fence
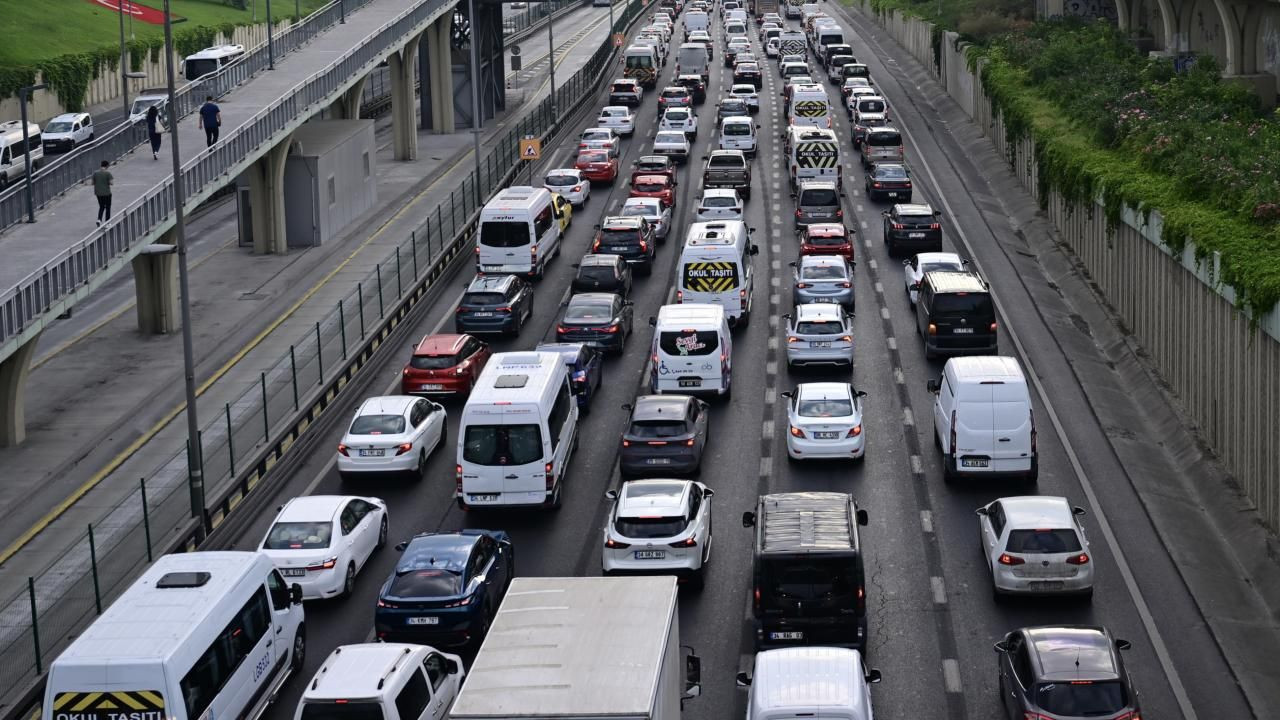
(40,618)
(56,177)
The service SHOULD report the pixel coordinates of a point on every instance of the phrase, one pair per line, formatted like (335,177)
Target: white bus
(518,232)
(199,635)
(211,60)
(13,154)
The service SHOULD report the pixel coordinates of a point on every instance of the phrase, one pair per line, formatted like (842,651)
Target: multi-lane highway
(932,617)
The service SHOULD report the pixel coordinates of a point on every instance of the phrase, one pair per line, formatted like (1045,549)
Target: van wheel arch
(298,653)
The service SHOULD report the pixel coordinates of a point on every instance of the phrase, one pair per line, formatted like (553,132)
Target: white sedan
(320,542)
(652,209)
(618,118)
(672,143)
(914,268)
(747,93)
(391,434)
(569,183)
(719,204)
(825,421)
(601,137)
(1034,544)
(661,527)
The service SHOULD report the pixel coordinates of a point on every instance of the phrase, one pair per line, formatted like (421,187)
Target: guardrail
(253,433)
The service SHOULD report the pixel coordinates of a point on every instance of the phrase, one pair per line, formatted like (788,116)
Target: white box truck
(582,647)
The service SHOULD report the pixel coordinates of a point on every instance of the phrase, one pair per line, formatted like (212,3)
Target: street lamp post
(23,95)
(551,42)
(195,463)
(271,48)
(477,113)
(124,63)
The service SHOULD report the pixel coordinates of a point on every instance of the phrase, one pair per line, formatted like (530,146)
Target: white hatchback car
(391,434)
(772,48)
(652,209)
(1034,544)
(659,526)
(618,118)
(569,183)
(914,268)
(825,421)
(719,204)
(748,94)
(819,334)
(673,144)
(320,542)
(682,119)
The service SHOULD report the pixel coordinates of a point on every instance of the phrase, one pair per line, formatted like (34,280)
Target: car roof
(448,343)
(490,283)
(826,230)
(386,405)
(599,259)
(882,130)
(444,546)
(1029,512)
(823,261)
(69,117)
(360,671)
(807,679)
(748,87)
(565,171)
(933,257)
(675,88)
(945,281)
(312,508)
(818,311)
(652,497)
(913,209)
(806,522)
(623,108)
(660,407)
(1072,652)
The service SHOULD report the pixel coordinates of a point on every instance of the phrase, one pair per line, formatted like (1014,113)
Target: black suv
(696,87)
(731,107)
(955,315)
(631,237)
(807,575)
(603,273)
(1072,671)
(913,228)
(494,304)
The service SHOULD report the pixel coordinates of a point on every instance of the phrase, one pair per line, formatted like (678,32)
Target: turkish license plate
(618,248)
(373,453)
(892,193)
(651,554)
(491,268)
(432,386)
(789,635)
(657,461)
(483,313)
(974,462)
(689,382)
(428,620)
(295,572)
(820,344)
(915,235)
(487,497)
(826,435)
(1046,584)
(962,331)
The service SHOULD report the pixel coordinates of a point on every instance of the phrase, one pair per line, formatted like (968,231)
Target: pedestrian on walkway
(102,189)
(154,130)
(210,120)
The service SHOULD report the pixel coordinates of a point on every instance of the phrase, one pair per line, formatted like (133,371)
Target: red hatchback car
(827,239)
(597,165)
(444,365)
(654,186)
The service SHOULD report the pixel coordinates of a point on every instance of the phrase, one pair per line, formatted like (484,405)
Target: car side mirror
(653,321)
(755,250)
(748,519)
(692,675)
(757,126)
(401,546)
(451,667)
(906,261)
(884,213)
(792,263)
(611,495)
(932,385)
(1001,646)
(786,316)
(627,303)
(873,676)
(708,492)
(863,517)
(1123,644)
(1077,510)
(295,594)
(743,679)
(860,393)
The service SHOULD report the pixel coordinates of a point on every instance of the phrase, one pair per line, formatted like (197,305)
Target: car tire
(298,653)
(699,580)
(420,471)
(349,581)
(997,596)
(382,533)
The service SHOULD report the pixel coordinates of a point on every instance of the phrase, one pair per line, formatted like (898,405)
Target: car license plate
(491,268)
(651,554)
(826,435)
(295,572)
(432,386)
(429,620)
(892,193)
(657,461)
(618,248)
(820,344)
(974,462)
(1046,585)
(483,314)
(962,331)
(915,235)
(372,453)
(791,635)
(689,382)
(488,497)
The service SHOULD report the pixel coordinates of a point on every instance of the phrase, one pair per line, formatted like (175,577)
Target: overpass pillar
(404,126)
(440,45)
(13,382)
(155,280)
(266,197)
(347,107)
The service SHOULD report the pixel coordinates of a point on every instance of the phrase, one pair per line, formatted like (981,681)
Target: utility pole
(477,111)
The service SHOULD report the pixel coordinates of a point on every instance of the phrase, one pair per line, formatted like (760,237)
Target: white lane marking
(884,313)
(879,288)
(770,396)
(775,264)
(916,465)
(859,207)
(908,418)
(775,248)
(892,343)
(773,322)
(926,521)
(951,675)
(939,590)
(777,219)
(864,225)
(774,298)
(775,281)
(766,429)
(773,343)
(898,376)
(771,368)
(866,240)
(871,263)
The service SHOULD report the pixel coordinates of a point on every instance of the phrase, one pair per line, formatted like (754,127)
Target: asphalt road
(932,618)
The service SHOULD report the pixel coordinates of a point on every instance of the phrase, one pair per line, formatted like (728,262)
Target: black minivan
(809,587)
(955,315)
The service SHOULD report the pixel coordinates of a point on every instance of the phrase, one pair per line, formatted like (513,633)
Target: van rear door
(1010,428)
(688,360)
(973,425)
(504,459)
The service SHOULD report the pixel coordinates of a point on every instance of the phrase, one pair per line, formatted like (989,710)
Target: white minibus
(518,232)
(715,267)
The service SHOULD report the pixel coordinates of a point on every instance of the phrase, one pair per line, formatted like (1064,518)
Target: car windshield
(638,210)
(822,272)
(433,362)
(819,327)
(502,444)
(349,710)
(825,407)
(829,581)
(649,187)
(299,536)
(891,172)
(59,126)
(1082,698)
(968,304)
(737,129)
(504,234)
(1043,541)
(719,202)
(483,298)
(377,425)
(649,527)
(657,429)
(819,196)
(590,312)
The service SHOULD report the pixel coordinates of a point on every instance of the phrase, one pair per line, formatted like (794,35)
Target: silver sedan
(822,279)
(819,334)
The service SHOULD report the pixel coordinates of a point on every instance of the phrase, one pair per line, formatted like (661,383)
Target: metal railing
(56,177)
(41,616)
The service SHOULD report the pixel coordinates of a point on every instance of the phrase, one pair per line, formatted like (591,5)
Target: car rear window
(560,180)
(1043,542)
(589,312)
(597,272)
(827,407)
(299,536)
(499,445)
(926,219)
(826,240)
(678,115)
(822,272)
(425,583)
(378,425)
(593,157)
(345,710)
(737,128)
(822,327)
(728,161)
(870,106)
(483,298)
(719,202)
(433,362)
(688,342)
(830,581)
(624,88)
(968,304)
(890,173)
(616,237)
(504,234)
(656,527)
(657,429)
(819,196)
(1082,698)
(941,266)
(884,139)
(649,187)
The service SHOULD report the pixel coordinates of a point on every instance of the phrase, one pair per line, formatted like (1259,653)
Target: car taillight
(854,431)
(679,299)
(611,543)
(403,448)
(595,246)
(755,598)
(551,477)
(742,294)
(611,329)
(933,329)
(846,284)
(908,184)
(802,285)
(796,432)
(793,339)
(875,185)
(457,478)
(577,188)
(644,246)
(993,327)
(797,213)
(688,443)
(896,226)
(935,226)
(504,308)
(846,338)
(1081,559)
(458,603)
(326,565)
(1036,716)
(1007,559)
(342,450)
(561,330)
(1134,715)
(691,541)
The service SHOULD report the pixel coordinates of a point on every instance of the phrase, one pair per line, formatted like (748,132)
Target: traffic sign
(530,149)
(618,39)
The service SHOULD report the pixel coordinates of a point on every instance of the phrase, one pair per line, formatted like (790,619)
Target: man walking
(210,120)
(102,189)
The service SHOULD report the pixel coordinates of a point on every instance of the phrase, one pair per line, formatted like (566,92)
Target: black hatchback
(888,180)
(629,236)
(748,73)
(1065,672)
(732,108)
(494,304)
(696,87)
(602,273)
(912,228)
(666,436)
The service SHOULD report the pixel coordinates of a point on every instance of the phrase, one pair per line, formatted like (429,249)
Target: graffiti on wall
(1090,8)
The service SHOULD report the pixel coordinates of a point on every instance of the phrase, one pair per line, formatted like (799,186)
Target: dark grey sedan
(600,320)
(666,436)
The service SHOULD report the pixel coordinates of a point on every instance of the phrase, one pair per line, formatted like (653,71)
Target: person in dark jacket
(154,128)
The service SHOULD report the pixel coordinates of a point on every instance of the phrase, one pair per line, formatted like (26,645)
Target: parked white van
(13,152)
(382,681)
(518,232)
(199,635)
(983,420)
(519,428)
(210,60)
(795,682)
(715,267)
(692,351)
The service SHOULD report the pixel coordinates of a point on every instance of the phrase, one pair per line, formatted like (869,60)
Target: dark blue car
(586,369)
(494,304)
(446,588)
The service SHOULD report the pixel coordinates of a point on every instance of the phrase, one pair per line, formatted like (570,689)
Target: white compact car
(825,421)
(681,119)
(618,118)
(601,137)
(569,184)
(914,268)
(659,526)
(66,131)
(819,334)
(651,209)
(748,94)
(1034,544)
(772,48)
(320,542)
(719,204)
(672,143)
(391,434)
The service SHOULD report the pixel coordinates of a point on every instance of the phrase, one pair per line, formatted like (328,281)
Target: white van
(382,681)
(640,63)
(199,635)
(794,682)
(210,60)
(13,152)
(824,35)
(518,232)
(809,106)
(696,20)
(519,428)
(692,60)
(738,133)
(983,419)
(692,351)
(715,267)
